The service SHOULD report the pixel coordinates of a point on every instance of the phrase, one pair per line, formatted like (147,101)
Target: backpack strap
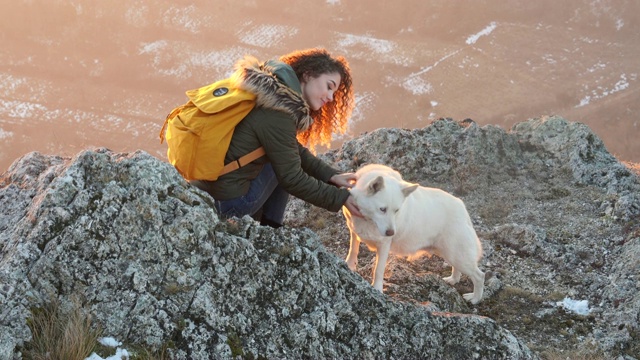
(237,164)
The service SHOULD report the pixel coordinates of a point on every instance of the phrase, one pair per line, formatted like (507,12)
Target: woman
(304,97)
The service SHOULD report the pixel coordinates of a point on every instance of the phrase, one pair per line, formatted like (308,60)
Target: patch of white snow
(484,32)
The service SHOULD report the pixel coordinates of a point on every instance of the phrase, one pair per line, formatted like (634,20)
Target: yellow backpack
(198,133)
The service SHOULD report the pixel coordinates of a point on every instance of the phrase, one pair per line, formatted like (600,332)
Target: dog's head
(380,199)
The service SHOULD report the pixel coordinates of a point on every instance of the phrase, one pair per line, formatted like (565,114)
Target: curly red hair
(333,116)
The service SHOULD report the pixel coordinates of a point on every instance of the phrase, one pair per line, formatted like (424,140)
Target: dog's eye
(384,210)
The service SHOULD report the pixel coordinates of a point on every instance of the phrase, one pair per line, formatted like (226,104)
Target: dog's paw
(470,298)
(450,280)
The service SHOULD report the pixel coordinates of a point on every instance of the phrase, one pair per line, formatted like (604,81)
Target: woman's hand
(351,205)
(346,180)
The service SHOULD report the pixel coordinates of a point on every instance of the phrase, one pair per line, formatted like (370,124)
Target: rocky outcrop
(558,216)
(145,253)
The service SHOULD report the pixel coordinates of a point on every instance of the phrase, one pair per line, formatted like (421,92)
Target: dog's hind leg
(477,277)
(382,255)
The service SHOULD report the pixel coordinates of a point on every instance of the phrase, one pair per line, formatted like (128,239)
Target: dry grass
(59,334)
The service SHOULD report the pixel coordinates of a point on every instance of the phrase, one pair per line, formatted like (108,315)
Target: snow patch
(185,18)
(599,66)
(152,47)
(5,134)
(363,101)
(486,31)
(162,55)
(417,86)
(580,307)
(428,68)
(121,354)
(376,45)
(109,341)
(588,40)
(36,87)
(22,110)
(600,92)
(364,47)
(219,59)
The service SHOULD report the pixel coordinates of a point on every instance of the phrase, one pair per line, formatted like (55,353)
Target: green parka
(273,124)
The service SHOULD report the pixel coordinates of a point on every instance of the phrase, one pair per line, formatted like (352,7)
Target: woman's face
(319,91)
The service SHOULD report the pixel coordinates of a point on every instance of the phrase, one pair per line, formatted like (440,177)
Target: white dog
(410,220)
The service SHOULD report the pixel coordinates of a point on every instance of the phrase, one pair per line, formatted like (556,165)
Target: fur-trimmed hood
(276,87)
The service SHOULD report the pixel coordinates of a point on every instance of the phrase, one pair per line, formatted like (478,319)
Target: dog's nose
(389,232)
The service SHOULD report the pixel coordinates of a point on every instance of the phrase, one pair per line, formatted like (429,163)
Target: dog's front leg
(354,248)
(382,254)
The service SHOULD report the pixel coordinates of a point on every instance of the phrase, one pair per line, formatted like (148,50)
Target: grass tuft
(60,335)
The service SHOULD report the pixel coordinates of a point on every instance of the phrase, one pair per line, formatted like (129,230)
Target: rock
(145,253)
(147,256)
(557,214)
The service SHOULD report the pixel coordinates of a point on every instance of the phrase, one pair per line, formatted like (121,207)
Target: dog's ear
(375,185)
(409,189)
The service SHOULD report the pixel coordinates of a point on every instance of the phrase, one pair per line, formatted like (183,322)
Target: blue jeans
(264,193)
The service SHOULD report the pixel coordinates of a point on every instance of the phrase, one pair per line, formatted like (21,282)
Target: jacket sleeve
(277,134)
(314,166)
